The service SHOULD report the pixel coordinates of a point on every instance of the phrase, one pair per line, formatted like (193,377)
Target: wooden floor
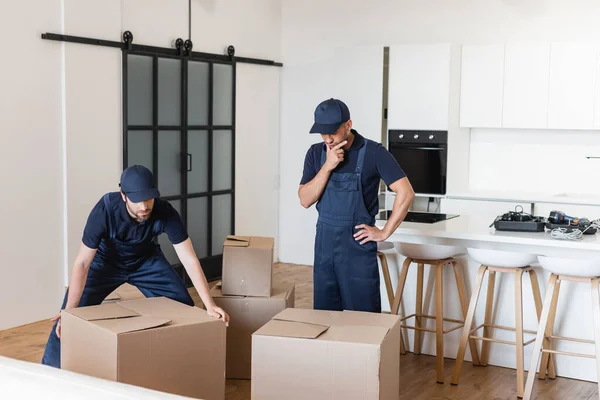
(417,373)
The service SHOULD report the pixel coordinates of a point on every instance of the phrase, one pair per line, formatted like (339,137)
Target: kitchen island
(574,315)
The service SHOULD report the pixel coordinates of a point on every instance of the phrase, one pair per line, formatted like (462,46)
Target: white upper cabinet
(526,80)
(572,86)
(419,87)
(482,76)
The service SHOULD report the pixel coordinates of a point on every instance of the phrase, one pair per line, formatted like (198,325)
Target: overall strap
(361,157)
(323,155)
(111,224)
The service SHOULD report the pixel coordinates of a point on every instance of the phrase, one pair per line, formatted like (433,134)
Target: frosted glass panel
(165,243)
(221,220)
(139,148)
(139,90)
(197,223)
(198,149)
(222,94)
(169,91)
(169,163)
(198,87)
(222,153)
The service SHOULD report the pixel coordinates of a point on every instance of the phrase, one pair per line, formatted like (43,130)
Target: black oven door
(424,165)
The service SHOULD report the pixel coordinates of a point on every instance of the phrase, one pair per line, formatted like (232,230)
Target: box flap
(306,315)
(237,241)
(141,323)
(162,307)
(356,334)
(259,242)
(291,329)
(103,311)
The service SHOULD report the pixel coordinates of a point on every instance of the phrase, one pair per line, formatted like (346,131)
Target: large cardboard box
(154,343)
(315,354)
(248,266)
(247,315)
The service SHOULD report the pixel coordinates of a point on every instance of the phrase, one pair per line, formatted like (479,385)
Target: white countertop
(474,231)
(523,197)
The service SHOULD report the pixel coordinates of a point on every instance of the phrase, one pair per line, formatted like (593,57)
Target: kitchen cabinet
(572,86)
(526,80)
(482,80)
(419,87)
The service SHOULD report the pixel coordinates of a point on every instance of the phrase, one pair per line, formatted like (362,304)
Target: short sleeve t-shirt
(136,237)
(379,164)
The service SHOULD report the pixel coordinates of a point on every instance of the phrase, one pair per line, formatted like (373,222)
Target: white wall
(93,113)
(51,192)
(257,151)
(308,39)
(30,163)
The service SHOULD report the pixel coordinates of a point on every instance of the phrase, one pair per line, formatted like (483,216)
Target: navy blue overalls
(346,273)
(117,262)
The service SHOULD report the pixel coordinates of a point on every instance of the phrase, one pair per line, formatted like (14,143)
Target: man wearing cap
(119,245)
(342,176)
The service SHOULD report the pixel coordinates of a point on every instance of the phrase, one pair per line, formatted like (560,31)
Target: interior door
(179,118)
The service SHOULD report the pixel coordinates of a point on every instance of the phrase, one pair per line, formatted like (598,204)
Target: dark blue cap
(329,115)
(138,184)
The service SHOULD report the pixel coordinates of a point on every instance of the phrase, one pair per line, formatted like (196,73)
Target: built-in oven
(423,156)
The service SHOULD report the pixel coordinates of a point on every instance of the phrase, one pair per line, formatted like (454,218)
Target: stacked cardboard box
(247,293)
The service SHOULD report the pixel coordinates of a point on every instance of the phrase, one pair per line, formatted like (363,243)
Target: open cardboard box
(156,343)
(316,354)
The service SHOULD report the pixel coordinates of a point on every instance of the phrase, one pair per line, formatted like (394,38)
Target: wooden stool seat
(439,307)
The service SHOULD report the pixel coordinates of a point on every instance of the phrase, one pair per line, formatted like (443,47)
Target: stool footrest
(571,339)
(457,321)
(566,353)
(504,328)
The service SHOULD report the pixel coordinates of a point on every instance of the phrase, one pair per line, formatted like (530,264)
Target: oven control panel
(414,136)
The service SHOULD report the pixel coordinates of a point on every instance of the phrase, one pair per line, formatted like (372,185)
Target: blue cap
(138,184)
(329,115)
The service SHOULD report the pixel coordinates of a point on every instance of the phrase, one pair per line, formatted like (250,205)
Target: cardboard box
(154,343)
(248,266)
(247,315)
(315,354)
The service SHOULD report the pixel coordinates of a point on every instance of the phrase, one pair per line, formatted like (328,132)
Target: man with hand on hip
(119,245)
(342,175)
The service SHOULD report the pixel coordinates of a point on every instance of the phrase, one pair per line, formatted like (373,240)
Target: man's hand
(335,156)
(218,312)
(55,318)
(369,234)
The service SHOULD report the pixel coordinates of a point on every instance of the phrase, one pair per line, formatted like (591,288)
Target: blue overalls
(346,273)
(116,263)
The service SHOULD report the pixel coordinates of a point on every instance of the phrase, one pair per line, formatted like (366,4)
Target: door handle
(189,156)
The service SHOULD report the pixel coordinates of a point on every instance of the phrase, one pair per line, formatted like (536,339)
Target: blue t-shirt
(137,236)
(379,164)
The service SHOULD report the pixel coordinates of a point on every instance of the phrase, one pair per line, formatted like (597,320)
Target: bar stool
(387,255)
(440,257)
(496,261)
(562,269)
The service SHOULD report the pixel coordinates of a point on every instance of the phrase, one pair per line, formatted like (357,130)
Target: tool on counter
(563,226)
(519,221)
